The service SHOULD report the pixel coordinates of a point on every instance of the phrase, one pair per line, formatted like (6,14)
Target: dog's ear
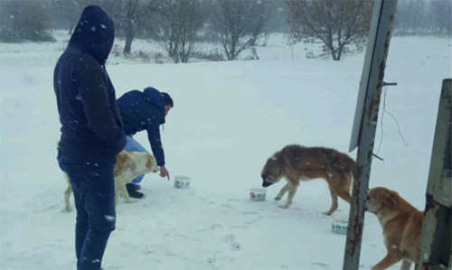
(120,157)
(276,158)
(390,200)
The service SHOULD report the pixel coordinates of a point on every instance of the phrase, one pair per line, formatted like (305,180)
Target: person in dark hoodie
(145,110)
(92,133)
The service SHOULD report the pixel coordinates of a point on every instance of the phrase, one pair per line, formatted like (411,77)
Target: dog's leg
(334,204)
(345,195)
(282,192)
(343,190)
(117,191)
(292,191)
(116,198)
(121,188)
(390,259)
(67,194)
(125,194)
(406,264)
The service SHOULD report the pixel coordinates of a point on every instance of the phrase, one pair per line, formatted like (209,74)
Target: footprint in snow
(230,239)
(321,264)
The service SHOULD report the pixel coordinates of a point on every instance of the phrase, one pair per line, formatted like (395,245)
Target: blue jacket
(144,110)
(91,125)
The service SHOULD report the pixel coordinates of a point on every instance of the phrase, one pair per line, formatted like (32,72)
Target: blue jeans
(133,145)
(94,196)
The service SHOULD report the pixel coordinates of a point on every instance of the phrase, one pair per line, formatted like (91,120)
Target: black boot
(133,191)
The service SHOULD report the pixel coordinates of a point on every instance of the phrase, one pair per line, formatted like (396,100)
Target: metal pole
(435,245)
(366,122)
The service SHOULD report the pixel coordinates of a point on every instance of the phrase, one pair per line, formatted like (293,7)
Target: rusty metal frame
(365,122)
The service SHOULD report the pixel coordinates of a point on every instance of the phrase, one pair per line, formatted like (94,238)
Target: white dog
(128,166)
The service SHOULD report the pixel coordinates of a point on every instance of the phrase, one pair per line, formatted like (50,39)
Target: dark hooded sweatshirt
(144,111)
(90,119)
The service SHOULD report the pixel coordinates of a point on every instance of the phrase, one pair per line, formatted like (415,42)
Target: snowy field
(229,117)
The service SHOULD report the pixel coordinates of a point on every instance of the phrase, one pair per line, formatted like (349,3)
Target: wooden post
(435,246)
(365,123)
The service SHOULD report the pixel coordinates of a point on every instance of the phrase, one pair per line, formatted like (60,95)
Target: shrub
(24,20)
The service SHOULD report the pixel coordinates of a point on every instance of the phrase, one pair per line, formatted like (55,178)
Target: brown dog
(128,166)
(298,163)
(401,223)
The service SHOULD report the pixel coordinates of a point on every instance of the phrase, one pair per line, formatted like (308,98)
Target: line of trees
(419,17)
(24,20)
(237,25)
(176,24)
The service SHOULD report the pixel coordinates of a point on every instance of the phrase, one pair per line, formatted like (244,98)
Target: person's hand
(164,172)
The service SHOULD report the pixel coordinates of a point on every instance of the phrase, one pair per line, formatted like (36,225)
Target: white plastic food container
(181,181)
(339,226)
(257,194)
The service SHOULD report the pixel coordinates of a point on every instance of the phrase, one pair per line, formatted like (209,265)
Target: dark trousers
(94,196)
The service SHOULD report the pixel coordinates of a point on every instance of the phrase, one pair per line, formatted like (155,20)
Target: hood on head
(94,33)
(153,95)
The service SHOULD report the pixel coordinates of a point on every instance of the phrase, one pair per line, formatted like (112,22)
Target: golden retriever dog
(128,166)
(298,163)
(401,223)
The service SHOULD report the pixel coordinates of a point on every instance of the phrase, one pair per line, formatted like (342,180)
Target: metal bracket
(389,83)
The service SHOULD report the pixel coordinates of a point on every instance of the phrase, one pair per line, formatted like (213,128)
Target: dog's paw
(277,198)
(66,210)
(285,206)
(127,200)
(132,201)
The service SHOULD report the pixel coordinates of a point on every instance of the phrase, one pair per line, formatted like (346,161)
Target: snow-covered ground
(229,117)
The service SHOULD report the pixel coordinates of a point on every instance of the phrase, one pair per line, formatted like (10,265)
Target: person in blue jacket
(145,110)
(92,132)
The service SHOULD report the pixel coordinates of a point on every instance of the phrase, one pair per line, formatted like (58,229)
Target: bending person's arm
(156,143)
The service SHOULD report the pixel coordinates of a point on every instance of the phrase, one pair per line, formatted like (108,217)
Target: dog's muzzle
(265,183)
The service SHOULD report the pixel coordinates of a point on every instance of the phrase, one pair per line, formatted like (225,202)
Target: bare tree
(336,23)
(259,20)
(237,24)
(135,14)
(177,25)
(128,16)
(131,12)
